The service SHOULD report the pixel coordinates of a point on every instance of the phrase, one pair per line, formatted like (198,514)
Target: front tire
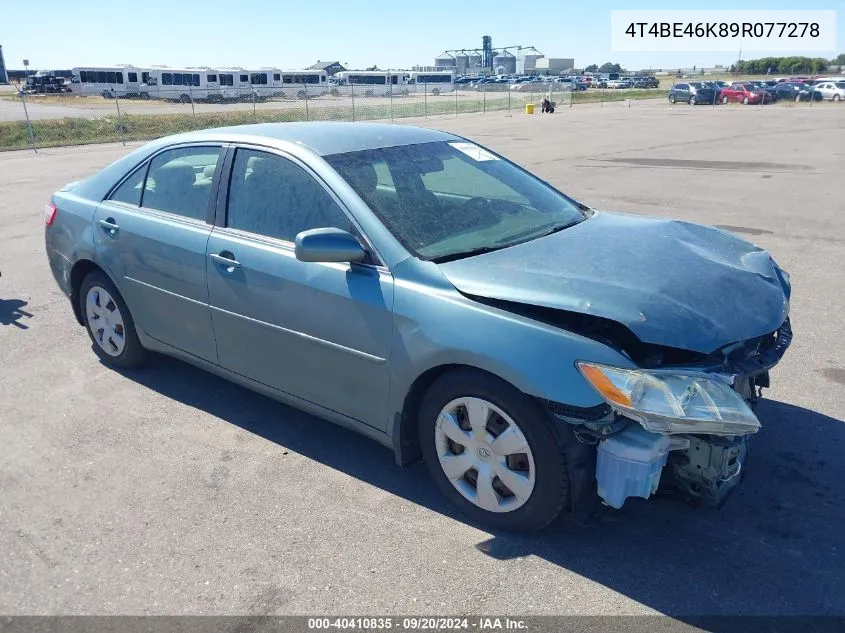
(745,101)
(724,101)
(692,100)
(109,323)
(492,451)
(836,97)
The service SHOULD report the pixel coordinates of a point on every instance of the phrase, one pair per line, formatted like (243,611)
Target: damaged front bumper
(636,452)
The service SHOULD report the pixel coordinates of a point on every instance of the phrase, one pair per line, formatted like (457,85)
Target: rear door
(317,331)
(151,233)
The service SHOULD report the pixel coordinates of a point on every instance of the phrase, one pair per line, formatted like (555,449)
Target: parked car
(645,82)
(745,93)
(694,93)
(425,291)
(831,91)
(761,86)
(617,84)
(795,92)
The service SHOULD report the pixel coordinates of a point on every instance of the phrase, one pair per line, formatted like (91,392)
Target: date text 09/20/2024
(417,623)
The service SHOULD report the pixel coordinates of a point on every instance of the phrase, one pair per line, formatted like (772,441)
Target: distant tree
(608,67)
(592,68)
(372,68)
(839,60)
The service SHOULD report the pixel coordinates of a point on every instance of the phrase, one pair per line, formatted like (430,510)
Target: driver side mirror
(328,245)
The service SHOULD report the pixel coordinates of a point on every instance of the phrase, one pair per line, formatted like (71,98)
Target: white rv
(436,82)
(181,84)
(108,81)
(301,84)
(371,83)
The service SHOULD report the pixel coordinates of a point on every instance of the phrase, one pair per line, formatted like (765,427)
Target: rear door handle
(109,226)
(225,259)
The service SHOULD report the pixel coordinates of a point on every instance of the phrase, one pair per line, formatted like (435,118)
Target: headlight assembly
(672,402)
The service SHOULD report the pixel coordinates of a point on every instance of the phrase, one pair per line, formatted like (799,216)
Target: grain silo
(444,61)
(526,62)
(461,63)
(506,61)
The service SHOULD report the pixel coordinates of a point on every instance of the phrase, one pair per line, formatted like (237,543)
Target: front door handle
(109,226)
(225,259)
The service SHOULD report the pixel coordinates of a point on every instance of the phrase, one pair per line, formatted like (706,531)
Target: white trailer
(108,81)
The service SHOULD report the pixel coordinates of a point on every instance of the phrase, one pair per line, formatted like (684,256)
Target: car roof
(322,137)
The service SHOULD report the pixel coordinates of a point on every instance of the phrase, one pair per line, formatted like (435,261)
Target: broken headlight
(672,402)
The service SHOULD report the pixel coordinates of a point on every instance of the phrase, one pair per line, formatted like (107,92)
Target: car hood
(670,282)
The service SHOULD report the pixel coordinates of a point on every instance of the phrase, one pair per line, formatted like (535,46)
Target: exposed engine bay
(705,468)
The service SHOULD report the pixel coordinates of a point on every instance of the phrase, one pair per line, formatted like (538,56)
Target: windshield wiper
(527,236)
(450,257)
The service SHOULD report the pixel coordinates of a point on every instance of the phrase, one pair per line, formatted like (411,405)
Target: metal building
(554,65)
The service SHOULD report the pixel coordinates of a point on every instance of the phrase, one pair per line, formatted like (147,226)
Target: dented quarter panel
(672,283)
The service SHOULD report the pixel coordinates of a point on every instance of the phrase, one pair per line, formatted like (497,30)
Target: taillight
(49,213)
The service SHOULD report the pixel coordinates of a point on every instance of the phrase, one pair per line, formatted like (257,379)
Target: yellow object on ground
(529,108)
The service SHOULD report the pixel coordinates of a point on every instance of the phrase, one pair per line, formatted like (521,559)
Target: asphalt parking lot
(168,491)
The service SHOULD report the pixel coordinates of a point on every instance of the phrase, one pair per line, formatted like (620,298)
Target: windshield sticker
(474,151)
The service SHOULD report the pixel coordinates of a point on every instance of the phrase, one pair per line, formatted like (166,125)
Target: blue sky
(286,34)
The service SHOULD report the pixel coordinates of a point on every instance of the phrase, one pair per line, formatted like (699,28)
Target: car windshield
(450,199)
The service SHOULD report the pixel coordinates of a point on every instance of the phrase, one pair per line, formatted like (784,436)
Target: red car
(746,93)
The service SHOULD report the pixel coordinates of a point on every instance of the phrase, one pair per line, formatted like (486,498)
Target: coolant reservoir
(629,464)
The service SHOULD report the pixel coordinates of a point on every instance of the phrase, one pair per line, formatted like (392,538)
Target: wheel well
(77,274)
(406,438)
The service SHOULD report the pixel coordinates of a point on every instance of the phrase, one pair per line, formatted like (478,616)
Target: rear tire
(116,345)
(745,101)
(835,97)
(532,458)
(672,99)
(691,100)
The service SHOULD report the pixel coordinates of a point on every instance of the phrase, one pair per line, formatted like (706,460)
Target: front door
(151,236)
(317,331)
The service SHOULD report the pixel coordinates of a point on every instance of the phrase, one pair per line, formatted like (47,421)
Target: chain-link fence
(45,120)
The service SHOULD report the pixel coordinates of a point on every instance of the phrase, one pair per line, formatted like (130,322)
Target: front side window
(179,181)
(445,199)
(274,197)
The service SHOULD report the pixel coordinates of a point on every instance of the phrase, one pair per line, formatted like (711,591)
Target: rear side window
(129,192)
(179,181)
(272,196)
